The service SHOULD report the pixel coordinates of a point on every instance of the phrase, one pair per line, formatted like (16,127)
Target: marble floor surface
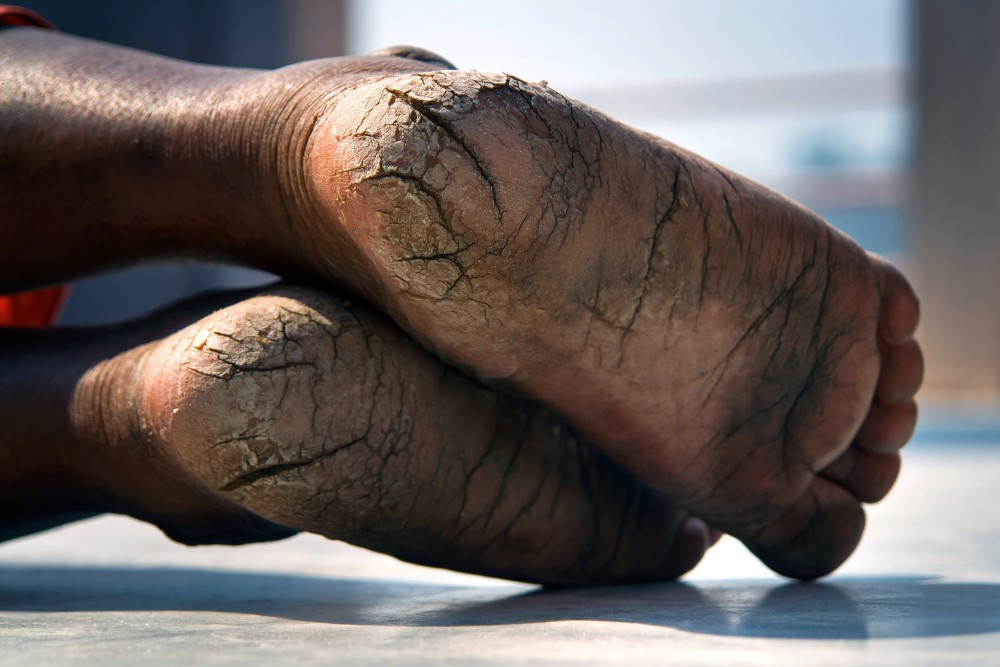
(924,588)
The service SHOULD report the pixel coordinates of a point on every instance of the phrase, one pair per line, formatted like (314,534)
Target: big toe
(415,53)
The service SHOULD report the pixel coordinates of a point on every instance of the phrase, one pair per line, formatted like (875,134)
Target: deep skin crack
(253,476)
(434,116)
(668,216)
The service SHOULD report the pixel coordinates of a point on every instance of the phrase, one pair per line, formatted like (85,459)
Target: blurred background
(882,115)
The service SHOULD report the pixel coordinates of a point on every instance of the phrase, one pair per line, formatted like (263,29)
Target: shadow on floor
(847,608)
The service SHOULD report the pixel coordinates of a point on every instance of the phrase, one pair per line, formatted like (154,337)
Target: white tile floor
(924,588)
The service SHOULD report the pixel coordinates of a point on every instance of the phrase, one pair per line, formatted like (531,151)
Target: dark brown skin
(139,157)
(69,450)
(723,344)
(291,409)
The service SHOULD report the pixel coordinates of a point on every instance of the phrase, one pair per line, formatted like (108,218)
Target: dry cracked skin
(322,416)
(722,343)
(600,336)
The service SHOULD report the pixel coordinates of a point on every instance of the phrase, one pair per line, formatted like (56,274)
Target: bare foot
(323,416)
(723,343)
(71,448)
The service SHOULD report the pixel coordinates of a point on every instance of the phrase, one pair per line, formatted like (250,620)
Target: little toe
(887,427)
(818,533)
(868,476)
(901,374)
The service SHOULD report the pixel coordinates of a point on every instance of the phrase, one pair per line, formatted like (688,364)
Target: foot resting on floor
(724,344)
(323,416)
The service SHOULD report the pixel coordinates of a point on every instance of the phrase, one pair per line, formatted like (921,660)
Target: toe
(868,476)
(814,537)
(900,310)
(691,542)
(887,427)
(901,374)
(415,53)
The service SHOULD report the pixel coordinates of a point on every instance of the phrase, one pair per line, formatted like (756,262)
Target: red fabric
(38,308)
(14,16)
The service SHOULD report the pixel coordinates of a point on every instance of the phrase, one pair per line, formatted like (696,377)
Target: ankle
(53,451)
(103,411)
(106,422)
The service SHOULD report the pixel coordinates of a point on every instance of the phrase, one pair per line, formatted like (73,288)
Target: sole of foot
(323,416)
(721,342)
